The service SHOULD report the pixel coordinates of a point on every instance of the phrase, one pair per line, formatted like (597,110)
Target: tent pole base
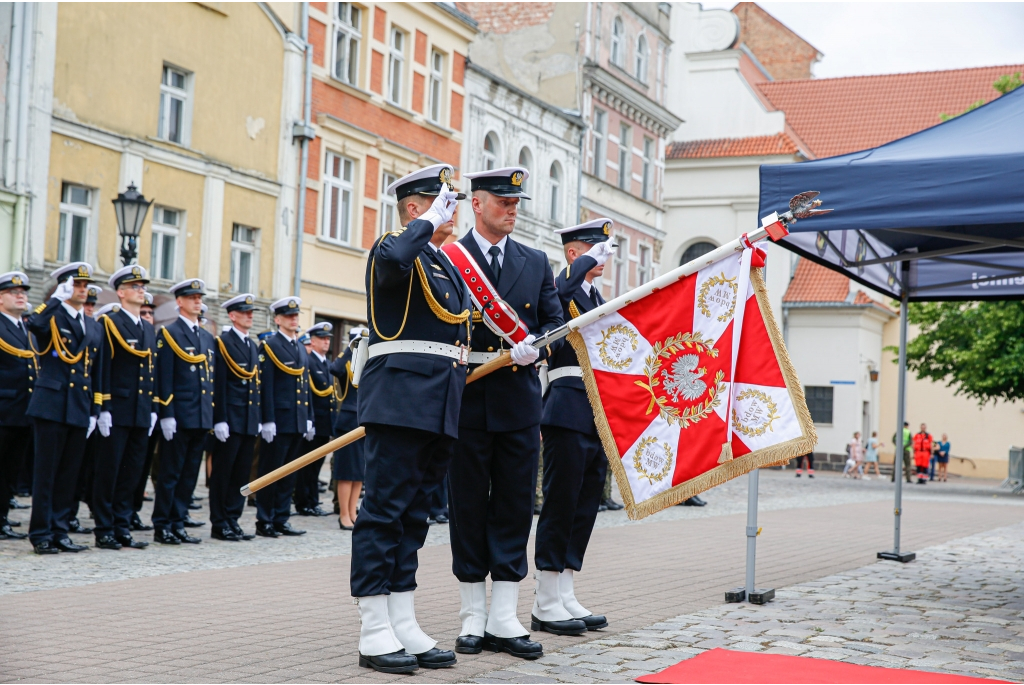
(761,595)
(737,594)
(902,557)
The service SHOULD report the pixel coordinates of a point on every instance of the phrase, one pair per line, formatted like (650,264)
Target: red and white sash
(496,313)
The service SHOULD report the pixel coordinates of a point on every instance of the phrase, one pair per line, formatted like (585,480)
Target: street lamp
(130,208)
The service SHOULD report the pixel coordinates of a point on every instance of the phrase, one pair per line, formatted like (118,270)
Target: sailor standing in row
(574,459)
(492,477)
(18,371)
(349,462)
(128,415)
(236,416)
(409,400)
(139,495)
(185,367)
(287,417)
(65,405)
(324,404)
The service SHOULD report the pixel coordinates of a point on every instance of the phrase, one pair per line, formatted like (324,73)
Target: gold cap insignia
(248,300)
(195,285)
(83,271)
(292,304)
(328,326)
(445,176)
(136,272)
(517,178)
(16,280)
(116,308)
(607,227)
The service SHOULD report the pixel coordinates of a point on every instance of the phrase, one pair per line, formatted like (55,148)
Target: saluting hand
(65,290)
(601,252)
(443,208)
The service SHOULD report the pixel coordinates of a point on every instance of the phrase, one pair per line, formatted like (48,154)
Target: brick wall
(506,17)
(455,119)
(322,6)
(312,200)
(380,20)
(313,166)
(458,68)
(318,37)
(418,86)
(369,227)
(421,47)
(372,169)
(377,73)
(783,53)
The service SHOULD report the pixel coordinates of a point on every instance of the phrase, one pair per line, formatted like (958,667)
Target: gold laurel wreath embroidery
(767,425)
(702,301)
(638,464)
(652,364)
(603,344)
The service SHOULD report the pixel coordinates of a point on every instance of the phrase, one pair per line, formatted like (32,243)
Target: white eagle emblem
(685,378)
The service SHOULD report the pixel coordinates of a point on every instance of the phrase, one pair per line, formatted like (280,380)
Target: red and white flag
(692,386)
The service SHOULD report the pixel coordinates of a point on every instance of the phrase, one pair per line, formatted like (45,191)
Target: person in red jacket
(922,453)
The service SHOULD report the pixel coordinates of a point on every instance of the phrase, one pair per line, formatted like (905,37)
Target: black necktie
(594,297)
(495,252)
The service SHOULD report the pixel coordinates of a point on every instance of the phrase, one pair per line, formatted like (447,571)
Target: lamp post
(130,208)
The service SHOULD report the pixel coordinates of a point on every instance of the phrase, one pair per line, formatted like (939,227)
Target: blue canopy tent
(938,215)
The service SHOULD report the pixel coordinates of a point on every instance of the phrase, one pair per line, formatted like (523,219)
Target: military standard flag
(692,386)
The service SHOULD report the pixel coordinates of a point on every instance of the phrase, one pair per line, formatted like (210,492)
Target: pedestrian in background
(907,447)
(854,457)
(922,453)
(942,457)
(871,455)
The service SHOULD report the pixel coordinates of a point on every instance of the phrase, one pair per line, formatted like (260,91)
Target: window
(625,156)
(640,62)
(525,161)
(163,257)
(75,216)
(620,265)
(648,171)
(338,194)
(696,251)
(819,401)
(388,205)
(346,43)
(600,129)
(617,48)
(243,258)
(643,268)
(436,86)
(555,181)
(491,153)
(173,109)
(396,63)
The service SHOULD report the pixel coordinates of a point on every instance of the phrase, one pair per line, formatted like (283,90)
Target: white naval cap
(504,182)
(425,181)
(14,279)
(190,286)
(357,332)
(106,309)
(324,329)
(82,271)
(286,305)
(245,302)
(133,273)
(595,231)
(149,300)
(92,293)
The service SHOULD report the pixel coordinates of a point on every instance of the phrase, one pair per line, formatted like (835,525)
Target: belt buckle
(463,355)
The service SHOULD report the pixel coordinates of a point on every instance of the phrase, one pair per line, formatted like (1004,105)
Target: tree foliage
(1004,84)
(977,348)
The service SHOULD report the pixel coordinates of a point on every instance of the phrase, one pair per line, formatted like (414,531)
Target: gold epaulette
(185,356)
(235,368)
(58,345)
(97,398)
(113,331)
(477,316)
(329,390)
(40,308)
(16,351)
(574,311)
(277,362)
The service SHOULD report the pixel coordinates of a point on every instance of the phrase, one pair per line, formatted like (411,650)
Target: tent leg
(901,401)
(749,592)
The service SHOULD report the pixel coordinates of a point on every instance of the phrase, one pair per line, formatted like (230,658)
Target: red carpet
(724,666)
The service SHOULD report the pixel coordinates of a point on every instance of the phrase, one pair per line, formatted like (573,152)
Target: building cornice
(572,118)
(625,99)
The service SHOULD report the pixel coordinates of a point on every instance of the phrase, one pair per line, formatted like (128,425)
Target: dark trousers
(307,480)
(180,459)
(574,473)
(139,495)
(14,443)
(23,483)
(274,502)
(117,463)
(439,499)
(403,465)
(491,484)
(59,449)
(231,463)
(83,486)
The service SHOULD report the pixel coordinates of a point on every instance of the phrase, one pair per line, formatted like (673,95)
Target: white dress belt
(418,347)
(482,357)
(564,372)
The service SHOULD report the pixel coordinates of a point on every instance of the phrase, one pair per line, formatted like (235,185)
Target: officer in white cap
(17,377)
(324,405)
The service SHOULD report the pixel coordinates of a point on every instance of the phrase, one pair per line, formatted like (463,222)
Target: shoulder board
(40,308)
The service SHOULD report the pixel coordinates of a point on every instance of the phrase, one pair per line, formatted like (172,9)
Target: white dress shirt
(484,246)
(15,320)
(240,334)
(135,319)
(586,285)
(192,325)
(75,314)
(319,356)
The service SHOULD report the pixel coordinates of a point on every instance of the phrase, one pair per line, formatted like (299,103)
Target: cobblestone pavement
(957,609)
(23,571)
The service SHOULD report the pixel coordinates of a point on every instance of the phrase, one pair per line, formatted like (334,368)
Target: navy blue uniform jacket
(236,399)
(509,399)
(185,388)
(420,391)
(285,396)
(324,406)
(566,404)
(17,375)
(129,381)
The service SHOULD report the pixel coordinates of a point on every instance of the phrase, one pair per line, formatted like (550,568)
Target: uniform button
(30,389)
(515,368)
(454,364)
(140,392)
(72,370)
(30,378)
(204,392)
(72,384)
(490,349)
(446,296)
(527,305)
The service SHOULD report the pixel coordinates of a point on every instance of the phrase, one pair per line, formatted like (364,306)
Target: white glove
(92,427)
(524,353)
(259,428)
(168,426)
(268,431)
(152,422)
(443,208)
(221,431)
(104,424)
(601,252)
(65,290)
(310,430)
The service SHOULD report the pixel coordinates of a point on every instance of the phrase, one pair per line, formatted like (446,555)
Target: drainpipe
(13,88)
(304,132)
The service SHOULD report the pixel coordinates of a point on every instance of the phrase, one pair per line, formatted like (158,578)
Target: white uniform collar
(319,356)
(586,285)
(15,320)
(135,319)
(191,326)
(484,246)
(285,336)
(240,334)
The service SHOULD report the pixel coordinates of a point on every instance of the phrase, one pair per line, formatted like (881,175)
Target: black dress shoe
(194,507)
(15,504)
(600,507)
(137,524)
(395,662)
(225,534)
(594,622)
(522,647)
(318,511)
(65,545)
(286,529)
(611,504)
(75,526)
(45,547)
(130,542)
(166,537)
(469,644)
(267,530)
(694,501)
(7,533)
(147,498)
(303,511)
(441,518)
(189,522)
(572,626)
(241,534)
(436,658)
(107,542)
(14,524)
(185,537)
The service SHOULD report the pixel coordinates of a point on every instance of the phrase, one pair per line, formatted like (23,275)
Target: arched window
(525,161)
(618,51)
(491,152)
(696,251)
(555,181)
(640,70)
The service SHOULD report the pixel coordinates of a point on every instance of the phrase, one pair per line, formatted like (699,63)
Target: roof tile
(755,146)
(814,283)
